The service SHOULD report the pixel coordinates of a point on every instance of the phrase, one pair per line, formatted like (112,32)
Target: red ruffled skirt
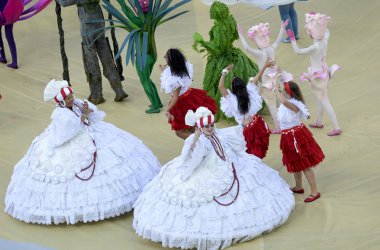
(299,149)
(256,134)
(191,99)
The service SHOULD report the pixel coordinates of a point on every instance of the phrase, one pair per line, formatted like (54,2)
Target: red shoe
(315,125)
(312,198)
(299,191)
(334,132)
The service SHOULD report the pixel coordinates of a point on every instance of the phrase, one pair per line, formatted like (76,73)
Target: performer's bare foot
(121,97)
(334,132)
(315,125)
(96,101)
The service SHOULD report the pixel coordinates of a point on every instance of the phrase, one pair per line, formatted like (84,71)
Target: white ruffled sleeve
(228,104)
(169,83)
(256,103)
(192,158)
(64,127)
(302,107)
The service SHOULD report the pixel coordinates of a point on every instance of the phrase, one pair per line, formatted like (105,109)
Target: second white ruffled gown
(187,205)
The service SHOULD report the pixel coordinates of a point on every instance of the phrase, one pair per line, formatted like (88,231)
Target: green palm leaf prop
(140,45)
(132,18)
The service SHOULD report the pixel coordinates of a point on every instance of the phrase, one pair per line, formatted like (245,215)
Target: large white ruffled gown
(198,200)
(74,172)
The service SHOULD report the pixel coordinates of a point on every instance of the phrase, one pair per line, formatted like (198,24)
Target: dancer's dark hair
(296,92)
(239,89)
(177,62)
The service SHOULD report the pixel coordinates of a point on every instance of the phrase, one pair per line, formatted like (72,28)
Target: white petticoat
(183,214)
(44,189)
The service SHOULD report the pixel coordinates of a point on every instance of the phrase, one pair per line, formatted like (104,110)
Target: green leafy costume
(221,52)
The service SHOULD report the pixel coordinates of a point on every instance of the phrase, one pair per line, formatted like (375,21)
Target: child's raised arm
(221,86)
(268,63)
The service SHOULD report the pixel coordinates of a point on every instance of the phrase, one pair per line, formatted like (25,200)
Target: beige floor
(347,215)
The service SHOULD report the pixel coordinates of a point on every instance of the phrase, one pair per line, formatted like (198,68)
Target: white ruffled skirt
(185,215)
(45,187)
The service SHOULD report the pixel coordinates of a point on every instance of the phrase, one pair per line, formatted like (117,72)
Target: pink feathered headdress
(316,24)
(260,34)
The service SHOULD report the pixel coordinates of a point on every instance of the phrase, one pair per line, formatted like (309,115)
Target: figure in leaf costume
(221,52)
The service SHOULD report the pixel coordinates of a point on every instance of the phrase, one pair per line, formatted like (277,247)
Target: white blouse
(288,118)
(169,82)
(229,104)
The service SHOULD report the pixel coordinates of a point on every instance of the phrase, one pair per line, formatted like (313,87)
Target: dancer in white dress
(260,35)
(319,74)
(79,169)
(242,102)
(214,194)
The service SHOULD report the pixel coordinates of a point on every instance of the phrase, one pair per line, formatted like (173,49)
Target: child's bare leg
(298,179)
(319,88)
(309,173)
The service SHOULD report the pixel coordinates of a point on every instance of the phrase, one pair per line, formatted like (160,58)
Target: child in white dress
(300,151)
(244,102)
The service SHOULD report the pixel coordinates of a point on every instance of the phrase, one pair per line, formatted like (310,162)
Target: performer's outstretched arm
(255,52)
(221,86)
(268,63)
(297,49)
(280,34)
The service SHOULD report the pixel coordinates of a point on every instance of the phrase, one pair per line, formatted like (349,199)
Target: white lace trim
(285,115)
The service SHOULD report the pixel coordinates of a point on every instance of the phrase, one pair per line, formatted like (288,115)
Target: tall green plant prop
(141,18)
(220,53)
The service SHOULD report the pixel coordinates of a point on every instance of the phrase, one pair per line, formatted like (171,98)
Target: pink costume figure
(260,35)
(12,11)
(319,74)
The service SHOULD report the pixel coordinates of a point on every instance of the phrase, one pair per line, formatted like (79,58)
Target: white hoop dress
(212,196)
(75,172)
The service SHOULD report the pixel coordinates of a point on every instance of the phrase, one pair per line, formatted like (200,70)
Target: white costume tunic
(289,118)
(229,104)
(74,172)
(170,82)
(199,200)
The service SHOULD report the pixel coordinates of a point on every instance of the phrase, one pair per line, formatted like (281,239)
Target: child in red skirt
(244,101)
(176,79)
(299,149)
